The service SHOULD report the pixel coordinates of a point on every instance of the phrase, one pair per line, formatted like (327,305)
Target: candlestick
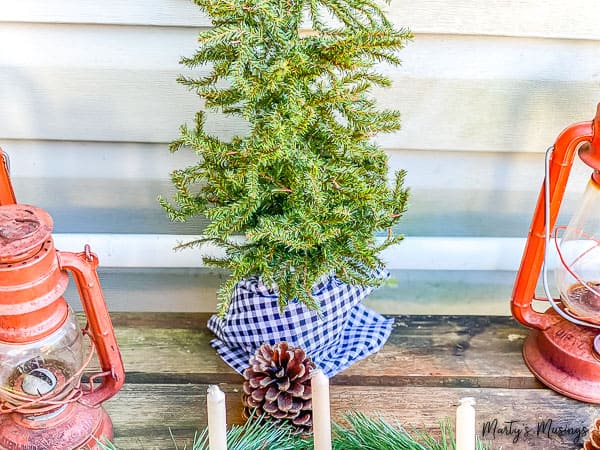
(217,421)
(321,411)
(465,424)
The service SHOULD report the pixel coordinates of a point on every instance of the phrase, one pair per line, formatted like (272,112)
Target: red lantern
(563,350)
(43,402)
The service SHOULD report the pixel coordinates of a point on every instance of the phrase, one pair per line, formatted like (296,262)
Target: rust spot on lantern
(43,404)
(562,350)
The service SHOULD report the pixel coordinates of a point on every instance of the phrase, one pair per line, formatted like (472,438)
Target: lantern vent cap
(23,231)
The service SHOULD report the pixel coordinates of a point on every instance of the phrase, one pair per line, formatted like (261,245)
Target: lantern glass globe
(47,366)
(578,272)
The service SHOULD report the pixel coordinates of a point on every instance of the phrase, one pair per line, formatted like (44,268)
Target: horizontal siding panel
(103,105)
(91,205)
(445,292)
(132,12)
(98,160)
(525,18)
(506,18)
(414,253)
(489,115)
(456,170)
(85,46)
(112,188)
(118,84)
(181,290)
(478,171)
(498,58)
(110,206)
(431,56)
(408,292)
(142,106)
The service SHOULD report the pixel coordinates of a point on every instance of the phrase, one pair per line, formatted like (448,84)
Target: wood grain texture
(417,379)
(145,415)
(423,350)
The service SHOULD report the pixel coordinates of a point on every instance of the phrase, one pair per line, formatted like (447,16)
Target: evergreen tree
(306,185)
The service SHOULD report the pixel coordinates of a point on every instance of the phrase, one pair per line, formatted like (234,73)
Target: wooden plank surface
(422,350)
(144,415)
(428,364)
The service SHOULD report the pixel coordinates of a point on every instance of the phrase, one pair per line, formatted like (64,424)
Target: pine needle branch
(305,184)
(356,431)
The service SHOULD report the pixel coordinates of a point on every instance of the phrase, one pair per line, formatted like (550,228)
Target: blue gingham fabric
(345,332)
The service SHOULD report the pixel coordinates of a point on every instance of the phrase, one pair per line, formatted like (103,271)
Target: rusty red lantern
(43,352)
(563,350)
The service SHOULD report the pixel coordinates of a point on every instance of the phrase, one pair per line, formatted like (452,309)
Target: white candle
(217,420)
(465,424)
(321,411)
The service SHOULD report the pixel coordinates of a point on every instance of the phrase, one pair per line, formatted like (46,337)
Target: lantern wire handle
(549,296)
(7,194)
(6,160)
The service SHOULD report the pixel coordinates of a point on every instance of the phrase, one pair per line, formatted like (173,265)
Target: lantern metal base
(78,426)
(563,358)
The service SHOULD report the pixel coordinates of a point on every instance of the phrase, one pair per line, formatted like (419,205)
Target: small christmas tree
(306,185)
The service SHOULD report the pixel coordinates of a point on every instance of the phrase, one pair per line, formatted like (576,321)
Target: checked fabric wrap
(345,332)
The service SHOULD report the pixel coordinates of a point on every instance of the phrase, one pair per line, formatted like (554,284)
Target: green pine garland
(360,432)
(305,186)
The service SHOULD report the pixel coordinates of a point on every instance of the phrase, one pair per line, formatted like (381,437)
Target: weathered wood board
(145,415)
(455,351)
(428,364)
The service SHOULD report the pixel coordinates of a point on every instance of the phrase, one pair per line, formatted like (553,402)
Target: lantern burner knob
(39,382)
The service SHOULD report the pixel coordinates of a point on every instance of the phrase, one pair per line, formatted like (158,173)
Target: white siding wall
(88,103)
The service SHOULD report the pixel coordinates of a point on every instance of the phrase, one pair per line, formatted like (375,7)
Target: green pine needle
(357,431)
(255,435)
(305,184)
(375,433)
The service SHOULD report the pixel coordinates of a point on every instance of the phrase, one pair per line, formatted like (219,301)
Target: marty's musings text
(543,429)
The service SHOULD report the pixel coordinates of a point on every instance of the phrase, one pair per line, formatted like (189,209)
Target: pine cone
(278,385)
(593,440)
